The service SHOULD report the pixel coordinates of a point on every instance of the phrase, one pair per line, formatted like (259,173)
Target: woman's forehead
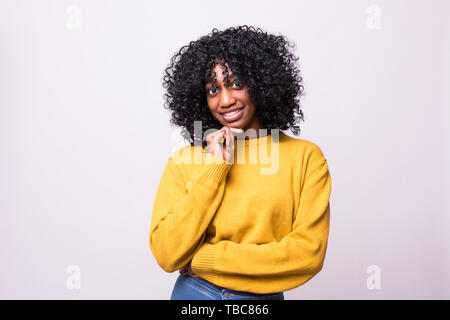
(220,73)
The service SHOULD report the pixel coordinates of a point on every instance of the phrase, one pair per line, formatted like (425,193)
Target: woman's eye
(237,83)
(213,90)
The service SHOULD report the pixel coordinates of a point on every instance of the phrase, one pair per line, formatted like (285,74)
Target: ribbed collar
(258,140)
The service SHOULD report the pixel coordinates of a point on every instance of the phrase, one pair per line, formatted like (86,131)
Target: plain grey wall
(84,139)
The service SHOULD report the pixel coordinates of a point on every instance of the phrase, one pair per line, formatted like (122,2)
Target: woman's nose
(226,98)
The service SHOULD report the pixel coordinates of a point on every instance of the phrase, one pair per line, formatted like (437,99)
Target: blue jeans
(194,288)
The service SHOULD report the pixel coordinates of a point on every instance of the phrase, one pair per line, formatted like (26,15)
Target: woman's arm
(182,212)
(287,263)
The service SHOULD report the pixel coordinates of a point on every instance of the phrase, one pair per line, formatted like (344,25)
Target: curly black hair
(260,60)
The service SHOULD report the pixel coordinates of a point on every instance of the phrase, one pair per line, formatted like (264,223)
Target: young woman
(233,227)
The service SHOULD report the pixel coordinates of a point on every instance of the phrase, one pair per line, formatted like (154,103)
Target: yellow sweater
(257,226)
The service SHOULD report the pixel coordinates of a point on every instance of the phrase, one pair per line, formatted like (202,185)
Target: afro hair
(259,60)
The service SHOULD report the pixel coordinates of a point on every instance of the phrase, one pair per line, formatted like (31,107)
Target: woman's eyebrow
(231,78)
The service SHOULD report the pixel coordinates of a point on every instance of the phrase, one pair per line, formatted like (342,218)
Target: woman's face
(230,103)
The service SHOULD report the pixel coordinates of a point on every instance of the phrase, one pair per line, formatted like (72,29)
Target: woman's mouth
(233,116)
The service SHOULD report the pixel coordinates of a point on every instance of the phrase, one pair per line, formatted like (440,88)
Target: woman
(233,230)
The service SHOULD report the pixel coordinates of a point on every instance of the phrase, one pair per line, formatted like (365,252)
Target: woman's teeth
(231,113)
(232,116)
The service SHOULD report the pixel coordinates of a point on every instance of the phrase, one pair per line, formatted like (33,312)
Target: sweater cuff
(215,168)
(203,261)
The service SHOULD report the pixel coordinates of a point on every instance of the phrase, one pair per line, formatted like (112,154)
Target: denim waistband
(219,289)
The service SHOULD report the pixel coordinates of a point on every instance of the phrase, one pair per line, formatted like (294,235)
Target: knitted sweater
(258,224)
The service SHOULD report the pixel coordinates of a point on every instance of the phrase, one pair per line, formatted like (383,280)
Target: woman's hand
(215,142)
(187,270)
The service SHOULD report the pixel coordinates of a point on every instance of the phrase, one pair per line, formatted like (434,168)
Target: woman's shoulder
(303,146)
(187,154)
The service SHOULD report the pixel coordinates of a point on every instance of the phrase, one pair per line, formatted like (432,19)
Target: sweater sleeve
(182,211)
(285,264)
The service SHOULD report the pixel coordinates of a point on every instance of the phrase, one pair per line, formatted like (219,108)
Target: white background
(84,139)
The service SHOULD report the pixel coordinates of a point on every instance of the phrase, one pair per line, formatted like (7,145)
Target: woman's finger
(212,136)
(237,130)
(229,146)
(221,136)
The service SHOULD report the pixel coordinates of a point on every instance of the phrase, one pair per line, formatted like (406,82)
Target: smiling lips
(234,115)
